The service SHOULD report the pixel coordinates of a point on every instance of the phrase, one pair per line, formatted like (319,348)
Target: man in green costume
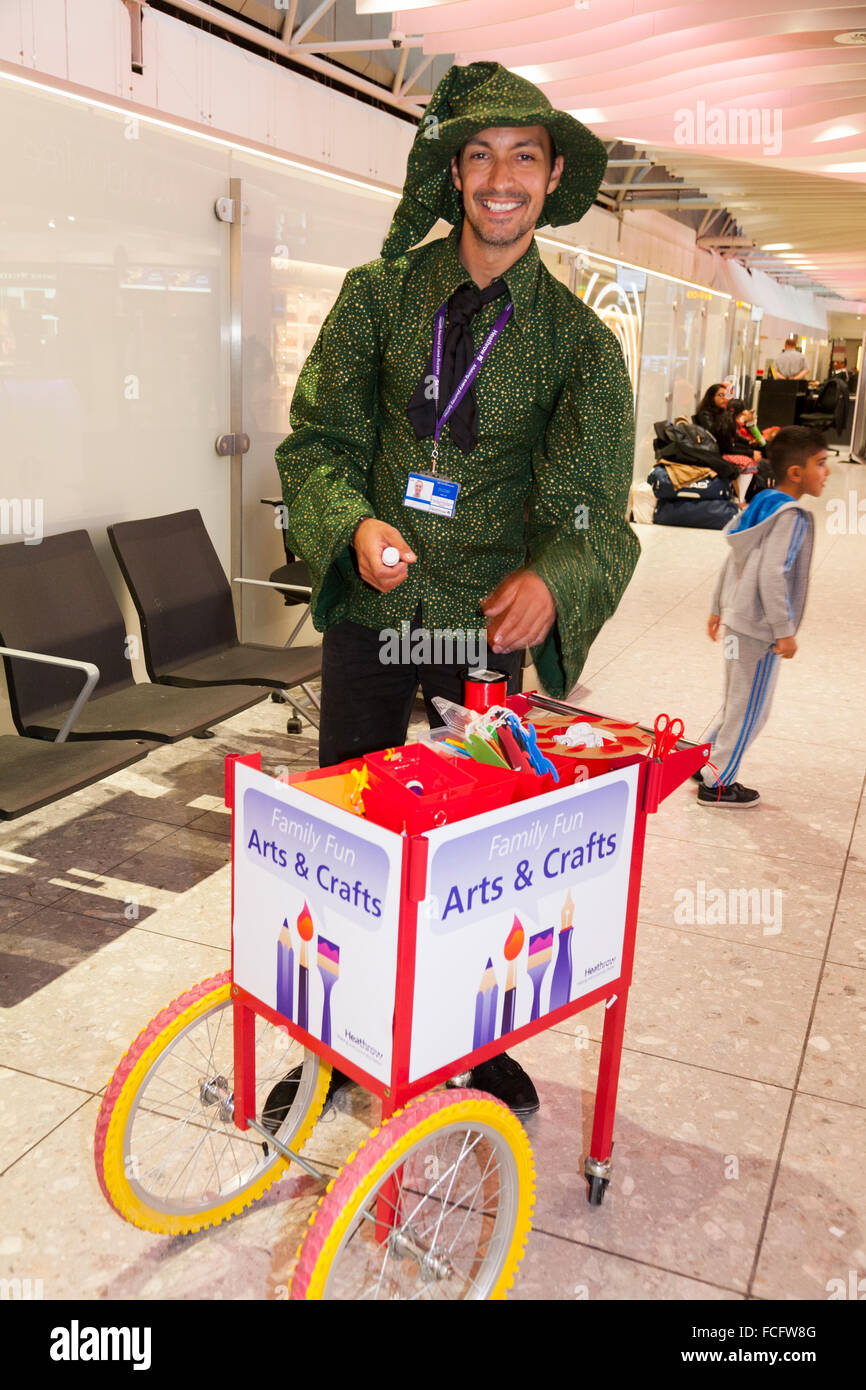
(527,539)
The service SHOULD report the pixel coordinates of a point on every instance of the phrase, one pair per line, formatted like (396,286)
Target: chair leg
(298,625)
(311,695)
(301,711)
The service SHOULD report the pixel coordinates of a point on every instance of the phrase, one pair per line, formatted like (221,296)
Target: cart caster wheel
(278,698)
(597,1189)
(294,726)
(597,1172)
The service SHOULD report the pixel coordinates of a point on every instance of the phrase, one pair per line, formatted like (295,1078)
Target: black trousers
(366,704)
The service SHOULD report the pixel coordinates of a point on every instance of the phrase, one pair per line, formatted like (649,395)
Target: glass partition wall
(113,299)
(302,232)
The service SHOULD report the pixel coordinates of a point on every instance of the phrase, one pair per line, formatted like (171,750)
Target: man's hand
(520,612)
(370,540)
(713,626)
(785,646)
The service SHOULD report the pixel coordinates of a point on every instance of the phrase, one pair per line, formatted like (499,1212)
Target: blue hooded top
(761,507)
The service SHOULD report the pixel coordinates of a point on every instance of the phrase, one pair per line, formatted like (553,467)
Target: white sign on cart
(524,911)
(316,907)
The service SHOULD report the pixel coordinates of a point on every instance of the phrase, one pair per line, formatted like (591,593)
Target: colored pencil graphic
(305,932)
(540,956)
(485,1008)
(513,947)
(285,971)
(328,961)
(560,985)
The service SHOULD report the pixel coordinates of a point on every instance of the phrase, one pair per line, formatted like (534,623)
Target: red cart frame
(657,778)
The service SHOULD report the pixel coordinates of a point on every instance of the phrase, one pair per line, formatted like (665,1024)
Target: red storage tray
(452,791)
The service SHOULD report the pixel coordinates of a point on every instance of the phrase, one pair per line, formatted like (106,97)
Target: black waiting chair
(56,599)
(185,608)
(34,773)
(292,578)
(831,410)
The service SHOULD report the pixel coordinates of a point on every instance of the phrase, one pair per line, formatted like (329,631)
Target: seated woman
(715,414)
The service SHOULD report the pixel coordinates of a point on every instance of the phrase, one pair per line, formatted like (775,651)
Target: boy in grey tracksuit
(759,599)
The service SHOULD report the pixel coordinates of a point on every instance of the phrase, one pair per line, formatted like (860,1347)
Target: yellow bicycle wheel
(169,1157)
(436,1204)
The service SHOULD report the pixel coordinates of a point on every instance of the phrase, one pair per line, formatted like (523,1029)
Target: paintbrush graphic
(560,985)
(328,961)
(485,1008)
(540,956)
(305,932)
(285,971)
(513,947)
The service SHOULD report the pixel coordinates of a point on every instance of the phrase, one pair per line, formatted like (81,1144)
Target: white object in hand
(390,556)
(581,736)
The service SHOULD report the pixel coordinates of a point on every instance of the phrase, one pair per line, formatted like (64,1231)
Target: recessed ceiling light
(855,166)
(836,132)
(777,246)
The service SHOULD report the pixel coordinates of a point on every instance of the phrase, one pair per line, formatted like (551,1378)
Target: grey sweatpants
(751,671)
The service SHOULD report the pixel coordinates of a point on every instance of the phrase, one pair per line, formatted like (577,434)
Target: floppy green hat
(478,97)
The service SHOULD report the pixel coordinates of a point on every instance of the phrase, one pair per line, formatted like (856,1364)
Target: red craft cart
(403,959)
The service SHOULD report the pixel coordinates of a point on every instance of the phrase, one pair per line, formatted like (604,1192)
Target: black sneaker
(507,1081)
(735,794)
(282,1096)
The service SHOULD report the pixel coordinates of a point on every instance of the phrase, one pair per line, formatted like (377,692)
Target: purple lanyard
(468,376)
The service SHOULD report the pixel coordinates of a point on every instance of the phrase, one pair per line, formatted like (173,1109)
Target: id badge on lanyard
(425,492)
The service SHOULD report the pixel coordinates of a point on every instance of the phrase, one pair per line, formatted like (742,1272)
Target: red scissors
(667,732)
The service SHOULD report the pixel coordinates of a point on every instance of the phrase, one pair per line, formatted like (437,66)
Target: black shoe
(735,794)
(281,1097)
(507,1081)
(698,777)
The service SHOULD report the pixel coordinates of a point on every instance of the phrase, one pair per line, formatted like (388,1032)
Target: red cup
(482,689)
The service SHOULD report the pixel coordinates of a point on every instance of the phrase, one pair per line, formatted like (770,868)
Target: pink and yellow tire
(436,1204)
(169,1157)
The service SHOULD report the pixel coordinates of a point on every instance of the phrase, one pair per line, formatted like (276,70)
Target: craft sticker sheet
(317,904)
(523,913)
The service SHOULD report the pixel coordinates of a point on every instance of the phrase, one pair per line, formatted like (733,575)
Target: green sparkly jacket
(545,486)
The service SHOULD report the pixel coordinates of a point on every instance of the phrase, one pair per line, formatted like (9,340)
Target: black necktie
(457,354)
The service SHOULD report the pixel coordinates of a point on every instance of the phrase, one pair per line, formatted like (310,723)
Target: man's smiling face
(505,174)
